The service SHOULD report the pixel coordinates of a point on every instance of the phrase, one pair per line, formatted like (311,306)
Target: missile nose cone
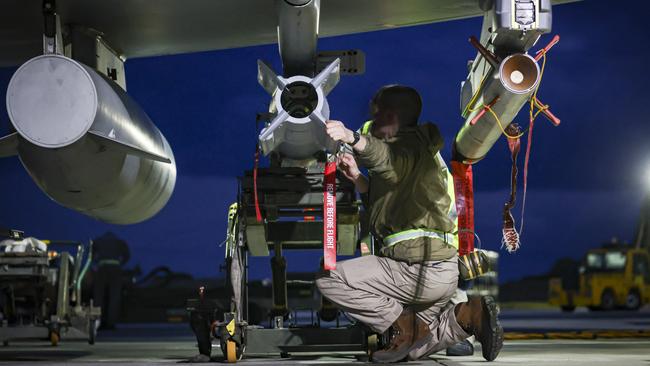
(51,101)
(519,73)
(516,77)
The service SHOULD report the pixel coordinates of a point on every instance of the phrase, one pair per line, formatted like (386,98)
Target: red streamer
(258,213)
(464,190)
(329,216)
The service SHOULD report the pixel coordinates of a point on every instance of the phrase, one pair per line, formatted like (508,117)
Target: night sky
(585,178)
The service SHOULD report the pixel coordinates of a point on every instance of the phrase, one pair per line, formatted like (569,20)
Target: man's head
(393,107)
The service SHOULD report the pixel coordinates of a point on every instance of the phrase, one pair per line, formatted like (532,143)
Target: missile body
(298,99)
(86,143)
(298,35)
(504,90)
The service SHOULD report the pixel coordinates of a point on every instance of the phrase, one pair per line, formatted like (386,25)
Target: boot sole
(464,348)
(493,347)
(398,356)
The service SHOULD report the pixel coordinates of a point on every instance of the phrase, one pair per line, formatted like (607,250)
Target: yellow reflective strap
(452,213)
(232,211)
(470,272)
(477,259)
(365,129)
(393,239)
(231,327)
(232,223)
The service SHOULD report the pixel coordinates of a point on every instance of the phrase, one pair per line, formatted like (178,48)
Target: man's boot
(479,317)
(409,333)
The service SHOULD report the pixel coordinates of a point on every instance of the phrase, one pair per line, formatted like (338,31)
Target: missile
(300,107)
(504,91)
(299,103)
(86,143)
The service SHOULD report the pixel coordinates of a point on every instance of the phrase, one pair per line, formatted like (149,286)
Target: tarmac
(533,338)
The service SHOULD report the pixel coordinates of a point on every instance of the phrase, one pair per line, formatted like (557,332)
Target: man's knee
(321,283)
(327,281)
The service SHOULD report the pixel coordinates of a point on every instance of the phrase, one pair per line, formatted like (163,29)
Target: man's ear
(392,117)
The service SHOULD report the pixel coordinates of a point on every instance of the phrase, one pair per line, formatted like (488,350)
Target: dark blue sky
(585,180)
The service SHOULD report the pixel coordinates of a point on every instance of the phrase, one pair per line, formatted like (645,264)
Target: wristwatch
(357,137)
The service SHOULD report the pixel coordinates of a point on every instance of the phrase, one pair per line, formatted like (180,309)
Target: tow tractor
(613,276)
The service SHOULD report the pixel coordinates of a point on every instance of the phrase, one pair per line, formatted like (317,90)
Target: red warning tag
(329,216)
(464,189)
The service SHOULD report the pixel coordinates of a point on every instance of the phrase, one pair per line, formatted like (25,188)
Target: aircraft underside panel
(163,27)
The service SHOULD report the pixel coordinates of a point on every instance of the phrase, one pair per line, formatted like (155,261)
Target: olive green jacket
(408,189)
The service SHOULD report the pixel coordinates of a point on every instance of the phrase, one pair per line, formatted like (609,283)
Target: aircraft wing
(139,28)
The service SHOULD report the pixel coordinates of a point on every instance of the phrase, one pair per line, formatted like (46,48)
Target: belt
(393,239)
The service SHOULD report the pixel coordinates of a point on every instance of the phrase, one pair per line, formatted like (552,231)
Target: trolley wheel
(54,339)
(231,351)
(373,344)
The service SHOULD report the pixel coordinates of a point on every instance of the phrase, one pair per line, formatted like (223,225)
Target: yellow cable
(475,96)
(533,99)
(533,103)
(541,108)
(501,126)
(471,110)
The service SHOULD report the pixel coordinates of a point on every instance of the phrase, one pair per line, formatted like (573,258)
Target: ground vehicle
(614,276)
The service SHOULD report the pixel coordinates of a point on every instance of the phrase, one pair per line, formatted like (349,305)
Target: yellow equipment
(614,276)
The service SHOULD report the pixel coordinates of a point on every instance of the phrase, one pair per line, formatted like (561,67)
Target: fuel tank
(86,143)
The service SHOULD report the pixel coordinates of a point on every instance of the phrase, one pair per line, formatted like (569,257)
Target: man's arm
(361,184)
(376,155)
(349,168)
(338,132)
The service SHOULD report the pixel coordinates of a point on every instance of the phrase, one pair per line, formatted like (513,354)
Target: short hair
(402,100)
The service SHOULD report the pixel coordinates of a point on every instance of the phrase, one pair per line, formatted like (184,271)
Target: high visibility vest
(450,238)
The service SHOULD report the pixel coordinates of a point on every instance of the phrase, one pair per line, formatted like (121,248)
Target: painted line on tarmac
(586,334)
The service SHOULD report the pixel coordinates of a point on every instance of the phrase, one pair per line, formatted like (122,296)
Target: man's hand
(349,167)
(337,131)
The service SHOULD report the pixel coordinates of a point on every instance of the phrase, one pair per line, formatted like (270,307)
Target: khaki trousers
(374,290)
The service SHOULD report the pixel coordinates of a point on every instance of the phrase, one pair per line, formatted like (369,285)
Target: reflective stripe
(109,262)
(393,239)
(452,213)
(231,233)
(365,129)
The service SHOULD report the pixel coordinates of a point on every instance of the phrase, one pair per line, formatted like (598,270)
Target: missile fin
(268,79)
(9,145)
(329,77)
(128,148)
(277,121)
